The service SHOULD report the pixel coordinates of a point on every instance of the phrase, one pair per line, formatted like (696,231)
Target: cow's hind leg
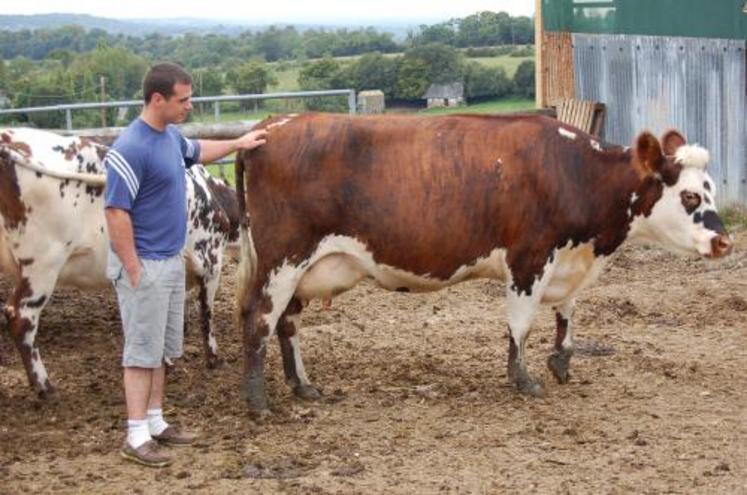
(208,286)
(560,360)
(260,310)
(290,347)
(29,297)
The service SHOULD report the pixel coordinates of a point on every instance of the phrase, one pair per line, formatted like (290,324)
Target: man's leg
(173,277)
(143,322)
(138,383)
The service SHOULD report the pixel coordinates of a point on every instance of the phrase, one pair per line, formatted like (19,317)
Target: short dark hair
(162,77)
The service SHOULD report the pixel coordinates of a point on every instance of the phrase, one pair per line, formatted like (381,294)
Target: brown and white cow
(52,231)
(421,203)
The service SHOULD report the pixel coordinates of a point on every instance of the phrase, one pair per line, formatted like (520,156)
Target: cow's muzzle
(721,245)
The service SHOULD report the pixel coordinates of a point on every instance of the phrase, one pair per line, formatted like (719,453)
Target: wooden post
(539,69)
(102,80)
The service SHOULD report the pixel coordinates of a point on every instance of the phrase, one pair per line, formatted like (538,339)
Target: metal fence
(216,100)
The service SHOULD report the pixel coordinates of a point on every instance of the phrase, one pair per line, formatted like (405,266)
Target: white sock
(156,423)
(137,432)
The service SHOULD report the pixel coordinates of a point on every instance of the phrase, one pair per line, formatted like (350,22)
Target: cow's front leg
(521,309)
(290,347)
(560,360)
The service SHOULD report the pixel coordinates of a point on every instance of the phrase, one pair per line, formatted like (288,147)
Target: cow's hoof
(49,394)
(215,362)
(307,392)
(558,363)
(531,388)
(253,392)
(260,415)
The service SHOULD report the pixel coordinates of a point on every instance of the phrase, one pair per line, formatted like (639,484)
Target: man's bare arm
(122,237)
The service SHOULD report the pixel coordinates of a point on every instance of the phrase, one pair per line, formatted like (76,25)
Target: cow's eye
(690,200)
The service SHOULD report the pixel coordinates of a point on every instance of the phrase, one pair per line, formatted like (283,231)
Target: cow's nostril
(723,245)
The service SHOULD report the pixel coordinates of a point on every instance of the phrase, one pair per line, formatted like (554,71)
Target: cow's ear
(671,140)
(648,156)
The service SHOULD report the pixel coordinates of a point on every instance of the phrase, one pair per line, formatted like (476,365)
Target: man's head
(167,89)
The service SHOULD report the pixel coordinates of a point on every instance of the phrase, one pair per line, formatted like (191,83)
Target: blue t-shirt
(145,175)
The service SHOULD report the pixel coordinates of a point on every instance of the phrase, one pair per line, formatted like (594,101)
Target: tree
(524,79)
(412,79)
(486,82)
(375,71)
(252,77)
(444,63)
(326,73)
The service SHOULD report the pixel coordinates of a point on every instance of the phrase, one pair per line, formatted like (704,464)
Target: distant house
(445,95)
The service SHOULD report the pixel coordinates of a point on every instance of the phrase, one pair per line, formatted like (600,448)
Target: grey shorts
(153,312)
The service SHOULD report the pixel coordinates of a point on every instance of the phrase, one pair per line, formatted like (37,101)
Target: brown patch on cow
(12,207)
(561,330)
(423,195)
(20,147)
(70,152)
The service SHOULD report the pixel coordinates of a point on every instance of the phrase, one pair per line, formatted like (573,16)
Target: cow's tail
(248,258)
(27,161)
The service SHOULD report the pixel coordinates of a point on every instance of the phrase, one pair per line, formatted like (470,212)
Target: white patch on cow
(39,370)
(595,145)
(692,155)
(28,339)
(633,199)
(295,342)
(521,308)
(575,268)
(566,133)
(566,311)
(340,262)
(279,123)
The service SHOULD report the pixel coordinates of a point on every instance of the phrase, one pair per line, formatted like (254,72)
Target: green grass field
(504,105)
(509,64)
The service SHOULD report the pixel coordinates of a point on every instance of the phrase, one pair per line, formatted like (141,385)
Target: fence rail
(216,100)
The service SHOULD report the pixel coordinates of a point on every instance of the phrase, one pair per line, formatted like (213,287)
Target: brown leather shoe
(148,454)
(175,436)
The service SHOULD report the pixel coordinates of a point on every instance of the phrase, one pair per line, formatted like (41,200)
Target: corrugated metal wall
(695,85)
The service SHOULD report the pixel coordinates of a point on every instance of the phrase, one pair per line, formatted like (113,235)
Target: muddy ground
(416,398)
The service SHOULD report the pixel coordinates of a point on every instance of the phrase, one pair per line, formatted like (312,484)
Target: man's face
(176,108)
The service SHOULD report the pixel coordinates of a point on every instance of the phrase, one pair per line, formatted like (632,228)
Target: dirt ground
(416,398)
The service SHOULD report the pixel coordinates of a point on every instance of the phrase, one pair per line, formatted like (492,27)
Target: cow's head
(683,216)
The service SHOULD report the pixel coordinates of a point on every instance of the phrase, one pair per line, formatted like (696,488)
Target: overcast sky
(273,10)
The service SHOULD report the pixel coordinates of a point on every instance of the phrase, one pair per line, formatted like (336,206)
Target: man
(146,216)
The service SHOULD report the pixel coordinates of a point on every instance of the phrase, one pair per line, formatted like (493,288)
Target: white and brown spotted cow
(52,231)
(421,203)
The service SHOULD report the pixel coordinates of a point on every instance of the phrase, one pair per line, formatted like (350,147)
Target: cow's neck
(631,196)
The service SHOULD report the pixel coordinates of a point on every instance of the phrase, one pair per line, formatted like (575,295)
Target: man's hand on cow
(251,140)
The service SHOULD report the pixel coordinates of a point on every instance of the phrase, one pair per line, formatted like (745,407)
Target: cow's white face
(685,219)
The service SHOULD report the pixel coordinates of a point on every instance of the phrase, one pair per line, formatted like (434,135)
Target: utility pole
(539,68)
(102,82)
